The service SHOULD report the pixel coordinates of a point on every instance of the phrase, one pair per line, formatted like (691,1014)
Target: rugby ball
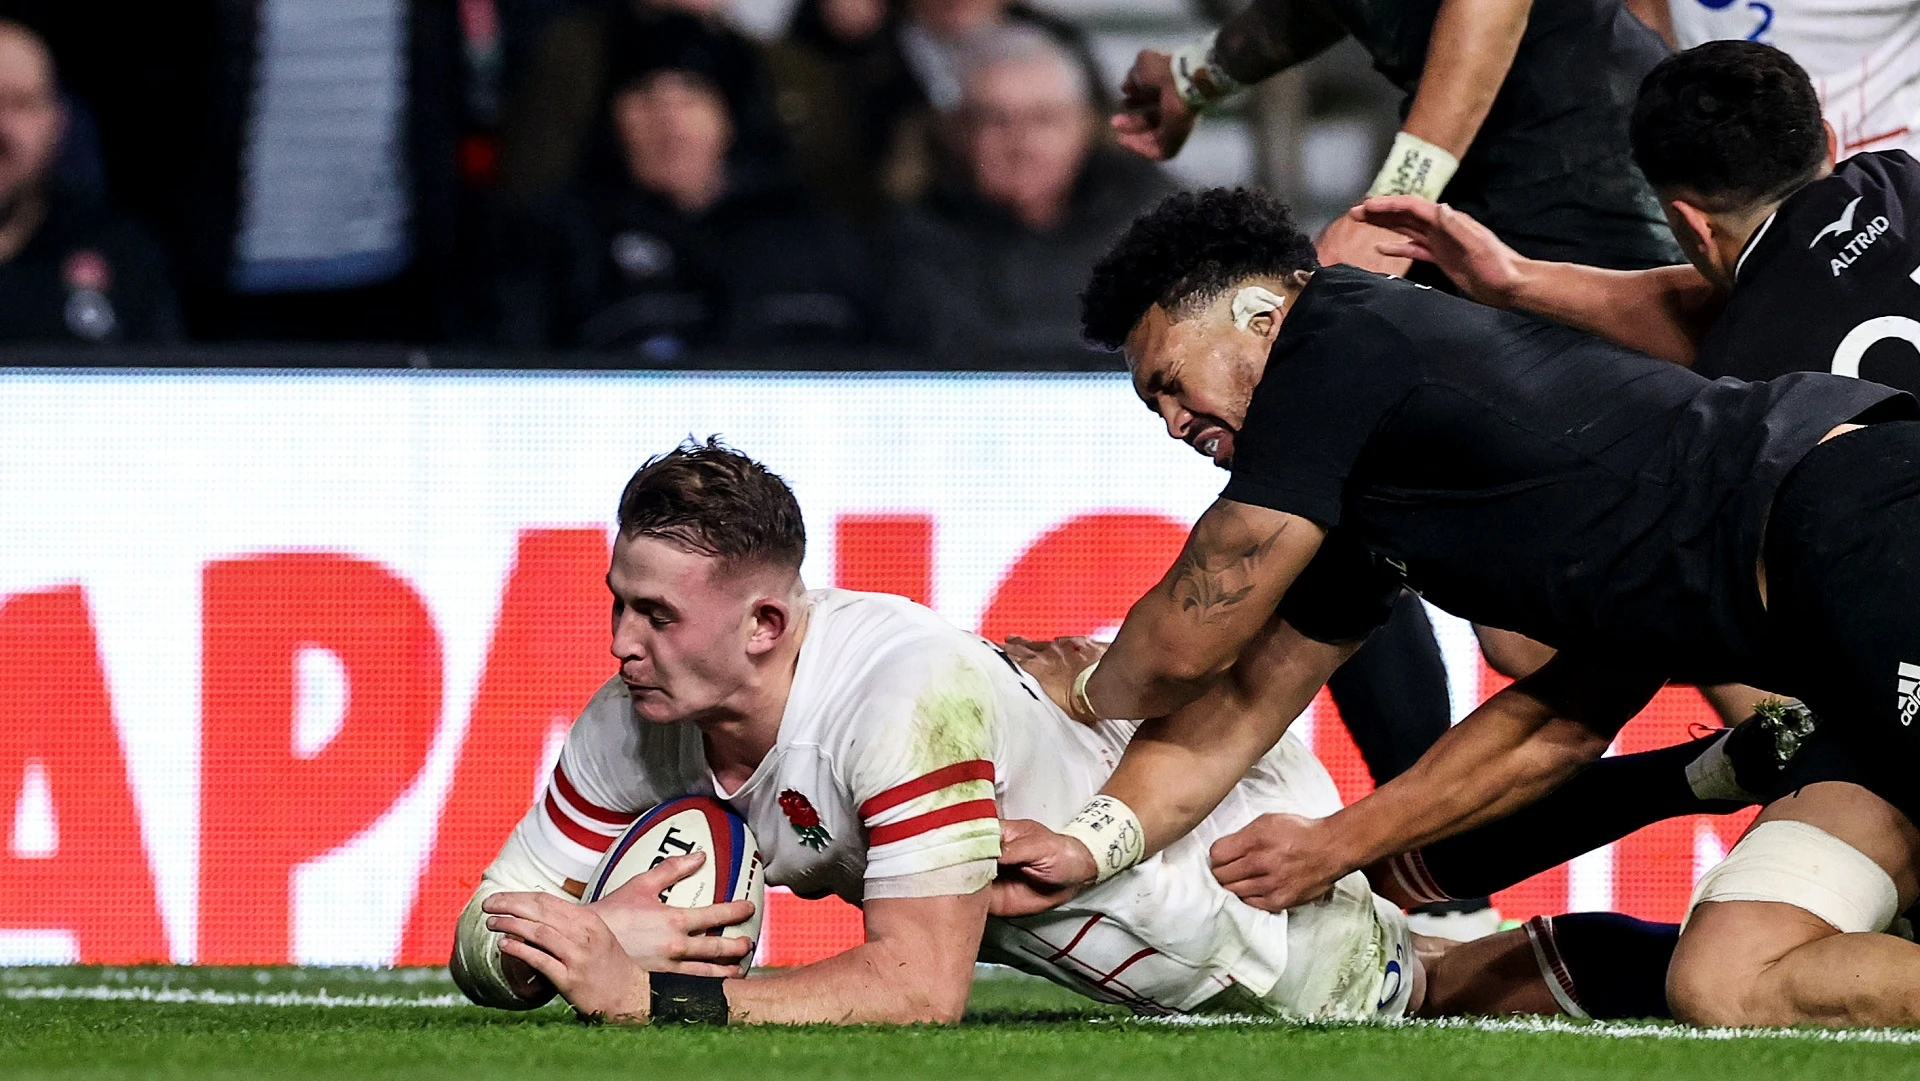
(680,827)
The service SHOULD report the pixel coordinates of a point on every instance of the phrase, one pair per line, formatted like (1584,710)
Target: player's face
(680,629)
(1197,375)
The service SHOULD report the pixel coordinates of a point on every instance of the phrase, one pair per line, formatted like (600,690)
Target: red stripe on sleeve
(932,820)
(978,769)
(593,811)
(576,832)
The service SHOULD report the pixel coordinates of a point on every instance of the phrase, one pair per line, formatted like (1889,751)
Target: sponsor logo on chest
(1909,692)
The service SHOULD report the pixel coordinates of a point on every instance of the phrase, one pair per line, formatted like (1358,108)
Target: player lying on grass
(871,746)
(1525,476)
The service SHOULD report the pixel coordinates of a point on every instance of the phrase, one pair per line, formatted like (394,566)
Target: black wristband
(688,1000)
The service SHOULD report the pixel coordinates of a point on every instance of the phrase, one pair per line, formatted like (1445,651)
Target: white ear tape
(1254,300)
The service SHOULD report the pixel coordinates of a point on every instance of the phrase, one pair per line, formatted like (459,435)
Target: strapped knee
(1801,865)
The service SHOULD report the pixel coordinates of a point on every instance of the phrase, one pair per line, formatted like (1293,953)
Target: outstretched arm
(1266,38)
(1191,628)
(1469,53)
(915,966)
(1663,311)
(1178,768)
(1468,56)
(1516,747)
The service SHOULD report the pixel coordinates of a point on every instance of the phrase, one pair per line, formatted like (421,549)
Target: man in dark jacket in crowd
(991,263)
(71,269)
(682,236)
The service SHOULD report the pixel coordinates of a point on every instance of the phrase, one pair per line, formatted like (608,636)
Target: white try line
(230,998)
(1610,1030)
(1614,1030)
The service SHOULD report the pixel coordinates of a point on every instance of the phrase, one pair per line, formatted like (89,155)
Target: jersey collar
(1752,243)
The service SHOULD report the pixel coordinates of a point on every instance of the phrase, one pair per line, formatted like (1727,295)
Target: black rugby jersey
(1525,475)
(1550,171)
(1831,282)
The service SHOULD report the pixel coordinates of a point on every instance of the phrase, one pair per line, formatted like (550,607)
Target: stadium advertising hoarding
(283,656)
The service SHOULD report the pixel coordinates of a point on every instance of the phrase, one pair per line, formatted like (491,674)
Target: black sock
(1392,693)
(1603,964)
(1602,803)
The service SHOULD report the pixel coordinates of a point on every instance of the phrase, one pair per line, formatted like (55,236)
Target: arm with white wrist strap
(1178,768)
(1469,52)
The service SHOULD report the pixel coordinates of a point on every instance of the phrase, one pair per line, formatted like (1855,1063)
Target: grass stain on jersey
(951,719)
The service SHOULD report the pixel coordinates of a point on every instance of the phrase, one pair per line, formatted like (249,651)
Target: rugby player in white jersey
(1864,57)
(873,748)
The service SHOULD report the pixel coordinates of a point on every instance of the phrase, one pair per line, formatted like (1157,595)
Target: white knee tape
(1807,867)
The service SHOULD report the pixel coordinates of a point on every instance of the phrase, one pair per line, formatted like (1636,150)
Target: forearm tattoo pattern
(1208,582)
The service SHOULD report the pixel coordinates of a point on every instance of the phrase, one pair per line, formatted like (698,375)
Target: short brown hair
(710,498)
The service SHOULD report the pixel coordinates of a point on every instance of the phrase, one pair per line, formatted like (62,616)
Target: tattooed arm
(1273,35)
(1267,37)
(1208,656)
(1187,632)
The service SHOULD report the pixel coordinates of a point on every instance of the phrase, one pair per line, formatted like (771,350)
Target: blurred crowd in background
(638,177)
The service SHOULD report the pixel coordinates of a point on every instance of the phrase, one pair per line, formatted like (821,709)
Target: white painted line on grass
(1613,1030)
(230,998)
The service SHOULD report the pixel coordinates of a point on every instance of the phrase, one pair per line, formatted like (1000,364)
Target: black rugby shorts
(1843,584)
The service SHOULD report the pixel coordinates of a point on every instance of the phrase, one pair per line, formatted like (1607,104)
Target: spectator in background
(843,91)
(934,35)
(71,268)
(993,261)
(673,244)
(864,88)
(333,207)
(556,108)
(311,164)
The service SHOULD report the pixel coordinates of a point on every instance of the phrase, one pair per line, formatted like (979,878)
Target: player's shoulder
(849,617)
(1347,318)
(878,640)
(1879,168)
(1861,199)
(611,704)
(867,650)
(1862,214)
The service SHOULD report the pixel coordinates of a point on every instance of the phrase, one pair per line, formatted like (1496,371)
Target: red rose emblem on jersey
(804,820)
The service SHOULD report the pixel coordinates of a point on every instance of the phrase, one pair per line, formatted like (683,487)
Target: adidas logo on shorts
(1909,692)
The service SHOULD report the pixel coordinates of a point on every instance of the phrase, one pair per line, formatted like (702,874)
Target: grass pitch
(361,1024)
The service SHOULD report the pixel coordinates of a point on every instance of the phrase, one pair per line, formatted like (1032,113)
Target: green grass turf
(1017,1028)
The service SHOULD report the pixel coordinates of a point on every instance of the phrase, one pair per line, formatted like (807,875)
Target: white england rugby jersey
(1863,55)
(903,741)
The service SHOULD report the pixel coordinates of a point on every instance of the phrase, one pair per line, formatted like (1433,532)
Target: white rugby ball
(679,827)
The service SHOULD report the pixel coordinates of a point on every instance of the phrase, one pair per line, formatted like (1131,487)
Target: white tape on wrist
(1111,831)
(1415,167)
(1198,77)
(1082,706)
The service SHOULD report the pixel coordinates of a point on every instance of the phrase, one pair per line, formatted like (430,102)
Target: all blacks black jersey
(1831,282)
(1524,475)
(1550,171)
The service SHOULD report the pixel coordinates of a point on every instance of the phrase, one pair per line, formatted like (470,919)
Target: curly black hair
(1732,123)
(1184,253)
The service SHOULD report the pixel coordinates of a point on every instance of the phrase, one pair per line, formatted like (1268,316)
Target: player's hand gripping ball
(680,828)
(679,891)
